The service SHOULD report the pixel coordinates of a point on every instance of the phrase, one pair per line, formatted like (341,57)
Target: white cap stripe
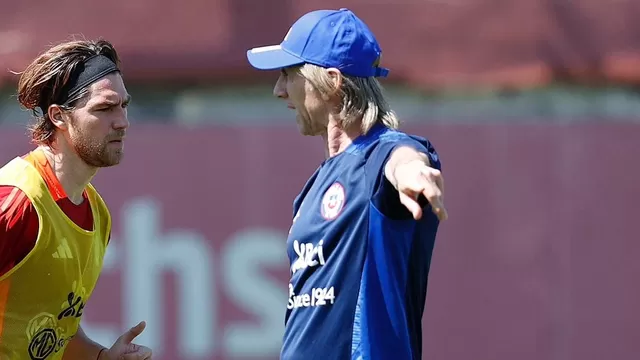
(266,48)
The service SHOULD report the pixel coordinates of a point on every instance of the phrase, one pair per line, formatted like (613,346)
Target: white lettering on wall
(144,254)
(246,256)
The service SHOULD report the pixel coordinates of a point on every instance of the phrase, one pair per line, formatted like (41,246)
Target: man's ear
(335,95)
(57,117)
(336,78)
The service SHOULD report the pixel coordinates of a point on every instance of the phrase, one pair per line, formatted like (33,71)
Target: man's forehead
(109,88)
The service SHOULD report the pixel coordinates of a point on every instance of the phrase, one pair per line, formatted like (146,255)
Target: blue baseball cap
(326,38)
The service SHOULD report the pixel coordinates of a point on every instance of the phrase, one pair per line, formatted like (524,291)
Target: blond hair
(361,98)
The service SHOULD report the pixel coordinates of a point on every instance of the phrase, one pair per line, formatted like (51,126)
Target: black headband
(86,73)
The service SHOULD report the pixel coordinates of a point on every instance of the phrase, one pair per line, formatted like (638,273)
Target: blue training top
(359,261)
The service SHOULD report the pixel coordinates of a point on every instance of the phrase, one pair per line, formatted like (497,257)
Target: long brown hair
(43,82)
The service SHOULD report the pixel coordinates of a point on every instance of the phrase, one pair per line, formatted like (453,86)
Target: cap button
(343,9)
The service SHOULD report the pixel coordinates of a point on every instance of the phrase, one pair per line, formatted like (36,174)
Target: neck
(338,138)
(72,172)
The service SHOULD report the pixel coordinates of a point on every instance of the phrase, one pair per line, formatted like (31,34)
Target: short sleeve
(383,195)
(18,227)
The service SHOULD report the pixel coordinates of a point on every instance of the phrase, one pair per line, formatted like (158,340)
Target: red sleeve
(18,227)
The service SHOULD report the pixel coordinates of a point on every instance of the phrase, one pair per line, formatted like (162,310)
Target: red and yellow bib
(42,298)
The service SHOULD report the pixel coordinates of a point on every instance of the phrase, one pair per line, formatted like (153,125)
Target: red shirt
(19,220)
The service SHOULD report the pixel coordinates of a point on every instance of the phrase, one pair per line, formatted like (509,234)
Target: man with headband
(54,226)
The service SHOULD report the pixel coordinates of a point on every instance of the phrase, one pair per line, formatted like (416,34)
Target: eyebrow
(109,102)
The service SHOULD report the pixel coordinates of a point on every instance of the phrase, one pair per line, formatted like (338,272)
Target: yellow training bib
(43,297)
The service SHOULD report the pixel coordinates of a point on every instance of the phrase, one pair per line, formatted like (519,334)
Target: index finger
(438,179)
(433,194)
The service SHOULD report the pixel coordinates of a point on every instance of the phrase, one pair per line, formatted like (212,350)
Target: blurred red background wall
(534,263)
(432,44)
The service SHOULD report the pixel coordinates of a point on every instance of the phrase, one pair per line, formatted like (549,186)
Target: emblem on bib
(332,201)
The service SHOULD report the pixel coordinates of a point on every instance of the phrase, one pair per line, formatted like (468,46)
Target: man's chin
(106,163)
(306,131)
(114,162)
(309,133)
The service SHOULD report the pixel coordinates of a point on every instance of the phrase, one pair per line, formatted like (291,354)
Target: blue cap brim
(271,58)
